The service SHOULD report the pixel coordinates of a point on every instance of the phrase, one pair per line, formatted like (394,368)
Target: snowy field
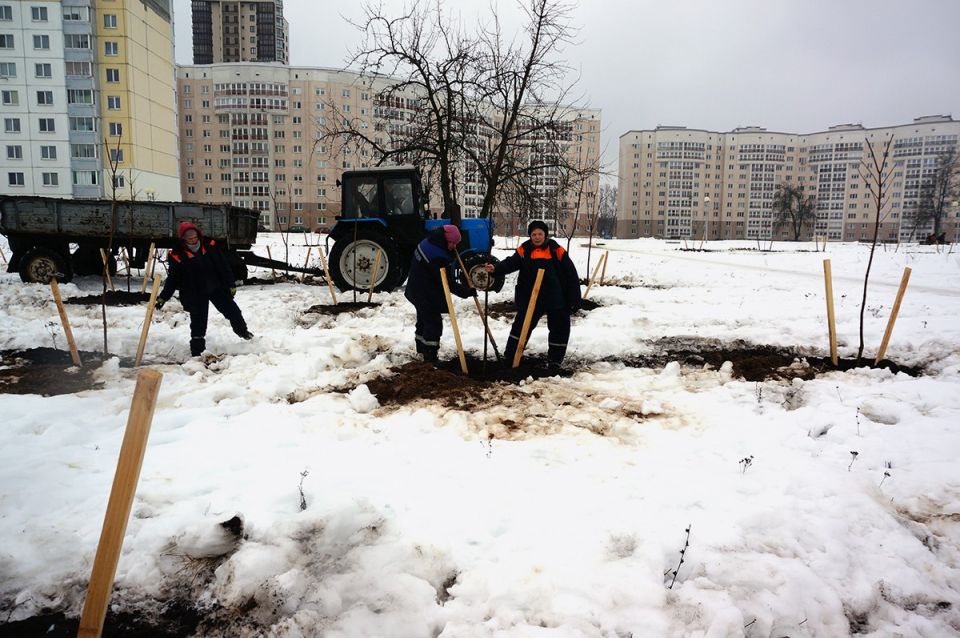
(823,507)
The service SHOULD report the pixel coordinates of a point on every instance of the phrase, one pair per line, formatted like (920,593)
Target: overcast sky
(787,65)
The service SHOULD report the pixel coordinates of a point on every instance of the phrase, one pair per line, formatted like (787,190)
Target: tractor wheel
(40,265)
(482,280)
(352,261)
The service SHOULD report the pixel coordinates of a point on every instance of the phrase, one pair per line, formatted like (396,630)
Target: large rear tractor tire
(40,265)
(352,260)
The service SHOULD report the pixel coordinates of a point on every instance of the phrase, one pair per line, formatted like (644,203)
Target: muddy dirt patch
(508,309)
(172,620)
(113,298)
(46,372)
(283,278)
(345,306)
(624,283)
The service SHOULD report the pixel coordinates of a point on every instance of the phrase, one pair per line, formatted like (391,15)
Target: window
(47,125)
(83,124)
(86,178)
(45,98)
(80,96)
(76,14)
(113,102)
(76,41)
(51,179)
(6,13)
(15,179)
(78,69)
(111,48)
(8,69)
(110,21)
(6,40)
(15,152)
(116,155)
(41,42)
(48,152)
(10,98)
(11,124)
(113,75)
(116,129)
(44,70)
(38,14)
(83,151)
(119,181)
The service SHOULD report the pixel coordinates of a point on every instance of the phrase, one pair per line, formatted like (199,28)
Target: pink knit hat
(452,234)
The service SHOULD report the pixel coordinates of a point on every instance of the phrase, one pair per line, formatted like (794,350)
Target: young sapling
(683,552)
(853,457)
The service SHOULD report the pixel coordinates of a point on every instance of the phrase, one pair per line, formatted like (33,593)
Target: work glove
(233,292)
(160,303)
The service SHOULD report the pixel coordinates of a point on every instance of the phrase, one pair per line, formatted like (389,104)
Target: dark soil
(286,278)
(114,298)
(175,619)
(509,309)
(753,362)
(46,372)
(617,283)
(343,306)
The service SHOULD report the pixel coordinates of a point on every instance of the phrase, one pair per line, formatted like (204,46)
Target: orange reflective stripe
(541,253)
(174,257)
(521,250)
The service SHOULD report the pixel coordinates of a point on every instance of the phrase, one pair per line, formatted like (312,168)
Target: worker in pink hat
(425,288)
(200,271)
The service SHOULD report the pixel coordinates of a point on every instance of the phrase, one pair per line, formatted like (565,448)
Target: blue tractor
(384,215)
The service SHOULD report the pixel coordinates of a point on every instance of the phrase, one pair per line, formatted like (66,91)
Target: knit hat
(452,234)
(534,225)
(185,226)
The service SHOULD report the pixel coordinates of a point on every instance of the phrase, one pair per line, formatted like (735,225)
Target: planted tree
(793,209)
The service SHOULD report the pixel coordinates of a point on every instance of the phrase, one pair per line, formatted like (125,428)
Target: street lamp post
(706,219)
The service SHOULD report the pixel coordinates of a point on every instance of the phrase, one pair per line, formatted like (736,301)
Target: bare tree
(937,192)
(876,178)
(114,156)
(794,209)
(607,210)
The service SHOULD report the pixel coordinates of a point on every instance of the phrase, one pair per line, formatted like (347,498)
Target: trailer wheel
(39,265)
(482,280)
(362,252)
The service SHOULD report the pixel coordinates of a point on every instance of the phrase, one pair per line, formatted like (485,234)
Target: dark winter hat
(185,226)
(534,225)
(451,233)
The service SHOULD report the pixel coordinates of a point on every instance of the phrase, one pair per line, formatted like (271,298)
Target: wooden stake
(593,277)
(831,321)
(121,501)
(273,272)
(373,275)
(529,317)
(603,271)
(893,315)
(326,273)
(146,321)
(476,300)
(303,276)
(106,268)
(146,267)
(3,257)
(74,353)
(453,320)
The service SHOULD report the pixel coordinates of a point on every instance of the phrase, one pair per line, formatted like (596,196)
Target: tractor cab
(392,195)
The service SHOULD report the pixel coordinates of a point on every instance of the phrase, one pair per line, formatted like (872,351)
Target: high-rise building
(88,87)
(249,135)
(239,31)
(680,182)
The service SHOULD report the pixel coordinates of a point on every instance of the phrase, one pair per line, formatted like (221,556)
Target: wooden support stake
(603,271)
(593,277)
(529,317)
(121,501)
(106,268)
(831,321)
(146,267)
(453,321)
(326,273)
(893,315)
(303,275)
(3,257)
(373,275)
(273,272)
(476,300)
(146,321)
(74,353)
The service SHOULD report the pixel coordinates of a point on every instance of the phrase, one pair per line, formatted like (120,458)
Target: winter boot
(430,355)
(197,346)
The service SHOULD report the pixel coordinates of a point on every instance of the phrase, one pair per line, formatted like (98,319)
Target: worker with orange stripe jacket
(559,294)
(200,271)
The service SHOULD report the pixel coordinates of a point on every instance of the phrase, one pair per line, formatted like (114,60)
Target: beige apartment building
(239,31)
(680,182)
(249,135)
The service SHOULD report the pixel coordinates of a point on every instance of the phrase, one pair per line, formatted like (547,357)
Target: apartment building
(73,73)
(239,31)
(249,135)
(680,182)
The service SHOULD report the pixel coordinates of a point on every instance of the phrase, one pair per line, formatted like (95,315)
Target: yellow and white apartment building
(680,182)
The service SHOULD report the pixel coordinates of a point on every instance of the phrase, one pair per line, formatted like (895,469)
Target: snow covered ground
(425,521)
